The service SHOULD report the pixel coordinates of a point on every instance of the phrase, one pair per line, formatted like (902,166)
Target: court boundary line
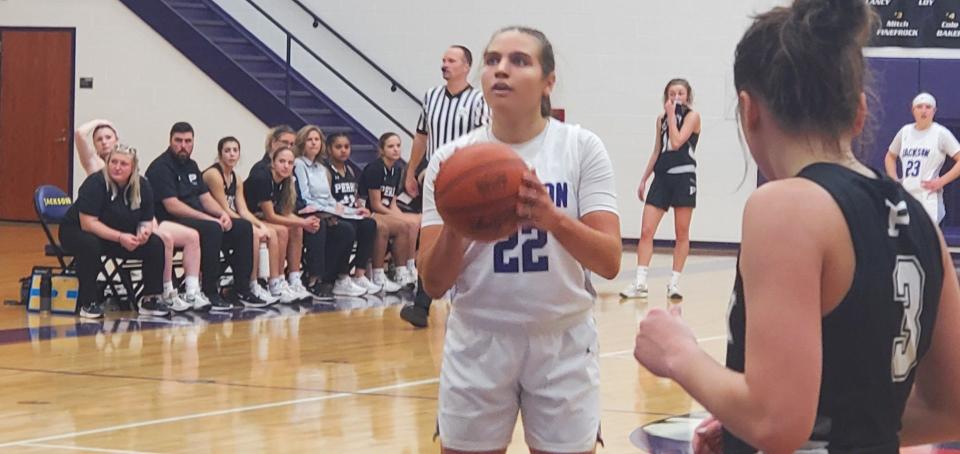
(375,391)
(83,448)
(226,411)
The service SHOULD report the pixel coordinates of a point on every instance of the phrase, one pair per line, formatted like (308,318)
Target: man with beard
(449,111)
(182,196)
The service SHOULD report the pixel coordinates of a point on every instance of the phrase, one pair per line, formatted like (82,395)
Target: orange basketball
(476,191)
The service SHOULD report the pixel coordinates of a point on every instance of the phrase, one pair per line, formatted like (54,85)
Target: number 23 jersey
(922,153)
(530,279)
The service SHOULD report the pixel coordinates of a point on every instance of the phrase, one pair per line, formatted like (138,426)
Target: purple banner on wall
(917,23)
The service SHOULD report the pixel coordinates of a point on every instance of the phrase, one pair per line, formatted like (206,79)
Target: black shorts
(673,190)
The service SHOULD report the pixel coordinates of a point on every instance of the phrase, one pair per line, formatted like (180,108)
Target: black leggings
(213,239)
(339,239)
(87,249)
(366,235)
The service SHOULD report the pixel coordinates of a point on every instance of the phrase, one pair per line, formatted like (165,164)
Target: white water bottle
(264,270)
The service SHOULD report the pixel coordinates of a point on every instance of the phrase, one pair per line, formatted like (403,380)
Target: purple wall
(896,82)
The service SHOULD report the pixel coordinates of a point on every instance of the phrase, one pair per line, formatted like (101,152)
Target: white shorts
(552,378)
(932,202)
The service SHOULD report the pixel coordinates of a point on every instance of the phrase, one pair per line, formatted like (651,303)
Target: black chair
(51,204)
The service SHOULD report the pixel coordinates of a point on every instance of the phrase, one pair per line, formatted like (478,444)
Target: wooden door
(36,104)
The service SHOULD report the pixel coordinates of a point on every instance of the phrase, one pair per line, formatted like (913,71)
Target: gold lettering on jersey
(57,201)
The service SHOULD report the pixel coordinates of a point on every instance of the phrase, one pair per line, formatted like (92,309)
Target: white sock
(193,284)
(411,264)
(379,275)
(253,284)
(641,278)
(293,277)
(168,287)
(675,279)
(275,285)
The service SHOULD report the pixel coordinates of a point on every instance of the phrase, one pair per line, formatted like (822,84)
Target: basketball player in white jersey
(521,334)
(922,148)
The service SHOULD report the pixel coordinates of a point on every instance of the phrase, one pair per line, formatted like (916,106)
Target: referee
(448,111)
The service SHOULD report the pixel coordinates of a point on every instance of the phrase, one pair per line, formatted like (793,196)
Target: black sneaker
(323,291)
(217,303)
(248,299)
(91,310)
(153,305)
(414,315)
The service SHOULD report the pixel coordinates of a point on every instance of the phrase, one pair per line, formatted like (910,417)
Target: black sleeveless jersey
(681,159)
(344,187)
(376,175)
(883,326)
(230,189)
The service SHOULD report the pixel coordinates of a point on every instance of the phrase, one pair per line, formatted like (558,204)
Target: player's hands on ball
(534,206)
(662,339)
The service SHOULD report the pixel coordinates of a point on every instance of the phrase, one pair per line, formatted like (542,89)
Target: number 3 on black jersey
(533,241)
(908,281)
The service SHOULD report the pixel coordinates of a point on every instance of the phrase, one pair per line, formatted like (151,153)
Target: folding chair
(51,204)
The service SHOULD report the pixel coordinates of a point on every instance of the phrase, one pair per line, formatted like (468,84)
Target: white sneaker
(403,277)
(282,293)
(299,290)
(345,287)
(262,293)
(387,285)
(198,300)
(176,304)
(366,284)
(634,290)
(673,292)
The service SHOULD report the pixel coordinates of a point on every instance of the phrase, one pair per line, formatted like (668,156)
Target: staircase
(249,70)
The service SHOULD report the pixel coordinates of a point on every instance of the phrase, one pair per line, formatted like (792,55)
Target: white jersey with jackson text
(922,154)
(529,279)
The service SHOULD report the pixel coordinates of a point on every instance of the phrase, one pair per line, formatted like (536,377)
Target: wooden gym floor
(344,378)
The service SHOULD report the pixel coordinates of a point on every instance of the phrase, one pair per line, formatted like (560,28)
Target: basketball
(476,191)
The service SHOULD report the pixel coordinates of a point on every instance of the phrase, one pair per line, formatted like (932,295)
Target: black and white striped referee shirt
(445,116)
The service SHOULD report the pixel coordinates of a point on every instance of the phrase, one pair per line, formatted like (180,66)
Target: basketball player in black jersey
(844,317)
(226,187)
(674,185)
(345,190)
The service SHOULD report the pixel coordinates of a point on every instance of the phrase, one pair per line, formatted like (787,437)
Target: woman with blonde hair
(346,224)
(113,216)
(93,152)
(272,197)
(380,185)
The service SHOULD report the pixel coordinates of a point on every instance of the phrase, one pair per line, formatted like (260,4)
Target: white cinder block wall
(613,59)
(141,82)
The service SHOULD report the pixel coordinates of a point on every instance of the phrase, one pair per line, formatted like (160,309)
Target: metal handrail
(394,85)
(290,38)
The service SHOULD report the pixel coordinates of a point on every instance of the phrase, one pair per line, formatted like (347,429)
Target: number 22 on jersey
(528,259)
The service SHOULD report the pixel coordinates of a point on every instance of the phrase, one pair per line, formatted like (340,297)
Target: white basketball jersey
(529,279)
(922,154)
